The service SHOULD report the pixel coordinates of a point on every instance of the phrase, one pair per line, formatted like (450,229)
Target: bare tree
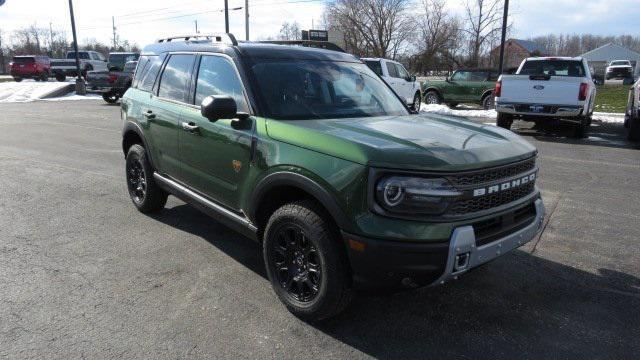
(373,27)
(438,38)
(484,22)
(290,31)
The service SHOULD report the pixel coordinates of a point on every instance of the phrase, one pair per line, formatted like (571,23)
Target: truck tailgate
(551,90)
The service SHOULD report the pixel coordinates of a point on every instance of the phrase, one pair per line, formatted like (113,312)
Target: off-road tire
(432,97)
(61,77)
(154,198)
(17,79)
(334,291)
(504,120)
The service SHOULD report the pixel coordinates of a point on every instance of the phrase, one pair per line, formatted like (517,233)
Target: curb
(64,90)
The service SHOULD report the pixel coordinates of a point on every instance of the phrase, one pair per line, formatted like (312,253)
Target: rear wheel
(634,129)
(145,194)
(582,129)
(110,97)
(489,102)
(61,77)
(17,79)
(432,97)
(306,263)
(504,120)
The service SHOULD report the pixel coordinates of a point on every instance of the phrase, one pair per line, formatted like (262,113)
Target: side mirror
(220,107)
(447,79)
(412,78)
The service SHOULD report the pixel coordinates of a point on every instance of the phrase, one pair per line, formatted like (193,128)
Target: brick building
(515,51)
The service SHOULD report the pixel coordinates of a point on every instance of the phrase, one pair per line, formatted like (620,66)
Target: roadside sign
(316,35)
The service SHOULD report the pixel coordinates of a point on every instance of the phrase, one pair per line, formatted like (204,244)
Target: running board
(218,212)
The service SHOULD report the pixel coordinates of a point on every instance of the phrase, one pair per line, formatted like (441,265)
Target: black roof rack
(307,43)
(226,38)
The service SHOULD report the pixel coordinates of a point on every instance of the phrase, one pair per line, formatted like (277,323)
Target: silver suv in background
(393,73)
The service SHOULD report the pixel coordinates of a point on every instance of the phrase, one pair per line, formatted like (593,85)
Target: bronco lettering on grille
(504,186)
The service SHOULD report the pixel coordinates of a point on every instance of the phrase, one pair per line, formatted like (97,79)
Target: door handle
(190,127)
(149,115)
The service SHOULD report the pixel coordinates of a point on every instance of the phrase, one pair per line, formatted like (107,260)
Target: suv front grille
(484,176)
(465,207)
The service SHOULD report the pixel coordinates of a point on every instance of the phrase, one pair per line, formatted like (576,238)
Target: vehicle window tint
(141,69)
(402,73)
(375,66)
(149,78)
(493,76)
(82,55)
(175,77)
(479,76)
(218,76)
(23,60)
(569,68)
(392,70)
(461,76)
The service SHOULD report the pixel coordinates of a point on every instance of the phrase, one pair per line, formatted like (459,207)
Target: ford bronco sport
(311,154)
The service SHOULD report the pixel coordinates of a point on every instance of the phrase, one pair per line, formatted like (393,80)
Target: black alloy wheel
(296,263)
(136,181)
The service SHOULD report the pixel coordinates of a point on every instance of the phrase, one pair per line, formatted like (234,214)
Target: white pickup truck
(89,61)
(546,89)
(398,78)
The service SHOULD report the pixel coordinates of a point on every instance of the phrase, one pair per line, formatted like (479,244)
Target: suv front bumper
(383,264)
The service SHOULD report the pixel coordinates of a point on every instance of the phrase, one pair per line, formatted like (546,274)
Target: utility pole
(504,35)
(50,39)
(113,24)
(1,55)
(246,19)
(226,16)
(80,85)
(196,21)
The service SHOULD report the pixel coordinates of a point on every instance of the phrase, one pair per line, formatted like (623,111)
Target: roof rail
(307,43)
(226,38)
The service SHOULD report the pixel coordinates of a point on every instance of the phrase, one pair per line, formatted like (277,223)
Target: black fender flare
(129,127)
(486,93)
(288,178)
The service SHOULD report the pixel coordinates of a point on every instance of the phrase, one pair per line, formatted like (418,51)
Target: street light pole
(80,86)
(226,16)
(246,19)
(504,35)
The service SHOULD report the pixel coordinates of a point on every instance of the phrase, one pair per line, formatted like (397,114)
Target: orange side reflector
(356,245)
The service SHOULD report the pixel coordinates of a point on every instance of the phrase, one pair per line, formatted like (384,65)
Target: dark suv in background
(35,67)
(468,86)
(310,153)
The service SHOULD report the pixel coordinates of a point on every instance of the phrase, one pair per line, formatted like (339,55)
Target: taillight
(498,91)
(112,78)
(582,95)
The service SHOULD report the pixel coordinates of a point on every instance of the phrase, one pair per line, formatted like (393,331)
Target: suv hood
(427,142)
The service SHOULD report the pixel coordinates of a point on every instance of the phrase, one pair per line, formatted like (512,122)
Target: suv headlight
(415,195)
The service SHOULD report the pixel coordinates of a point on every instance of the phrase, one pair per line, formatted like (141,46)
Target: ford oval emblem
(538,87)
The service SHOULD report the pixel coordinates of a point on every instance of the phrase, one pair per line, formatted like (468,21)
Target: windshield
(618,63)
(119,60)
(311,89)
(569,68)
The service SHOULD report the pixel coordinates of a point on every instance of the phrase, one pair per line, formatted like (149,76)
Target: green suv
(473,86)
(311,154)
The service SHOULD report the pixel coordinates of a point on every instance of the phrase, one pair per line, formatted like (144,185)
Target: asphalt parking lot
(84,275)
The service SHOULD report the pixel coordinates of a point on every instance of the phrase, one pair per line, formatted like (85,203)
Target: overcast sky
(142,21)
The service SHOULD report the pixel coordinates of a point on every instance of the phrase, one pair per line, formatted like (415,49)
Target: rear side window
(375,66)
(218,76)
(148,76)
(392,70)
(479,76)
(569,68)
(82,55)
(175,78)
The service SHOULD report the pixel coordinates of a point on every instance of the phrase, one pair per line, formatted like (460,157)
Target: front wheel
(634,129)
(306,263)
(504,120)
(432,97)
(145,194)
(417,100)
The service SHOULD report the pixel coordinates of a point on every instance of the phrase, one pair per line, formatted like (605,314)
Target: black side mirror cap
(412,78)
(219,107)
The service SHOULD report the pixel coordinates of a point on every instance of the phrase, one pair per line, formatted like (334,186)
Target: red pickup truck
(35,67)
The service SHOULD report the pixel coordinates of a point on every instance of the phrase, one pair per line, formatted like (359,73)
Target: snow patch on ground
(27,91)
(467,111)
(73,96)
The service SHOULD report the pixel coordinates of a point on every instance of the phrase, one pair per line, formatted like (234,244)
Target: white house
(600,57)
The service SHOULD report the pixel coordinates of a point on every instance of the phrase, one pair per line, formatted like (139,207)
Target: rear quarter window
(375,66)
(149,74)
